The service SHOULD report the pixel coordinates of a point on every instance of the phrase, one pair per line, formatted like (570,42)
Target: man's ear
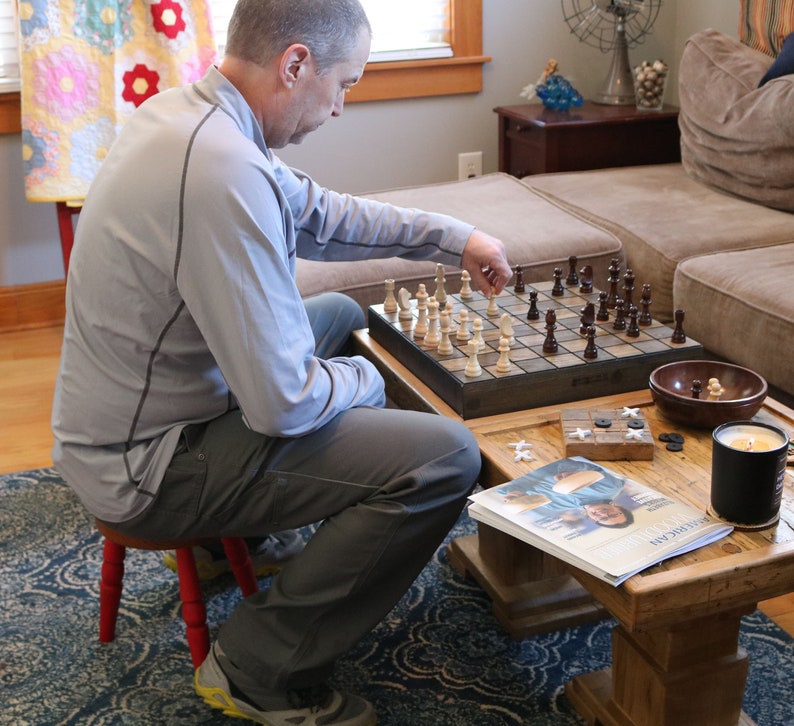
(295,62)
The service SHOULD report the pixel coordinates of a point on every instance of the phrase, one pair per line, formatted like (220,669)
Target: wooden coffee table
(675,652)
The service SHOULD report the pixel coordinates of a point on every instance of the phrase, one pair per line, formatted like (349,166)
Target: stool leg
(237,553)
(110,589)
(193,611)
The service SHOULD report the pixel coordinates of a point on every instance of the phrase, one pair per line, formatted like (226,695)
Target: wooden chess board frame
(536,378)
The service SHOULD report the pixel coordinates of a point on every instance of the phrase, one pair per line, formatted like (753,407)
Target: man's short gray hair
(260,30)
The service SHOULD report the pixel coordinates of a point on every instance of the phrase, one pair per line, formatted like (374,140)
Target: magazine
(595,519)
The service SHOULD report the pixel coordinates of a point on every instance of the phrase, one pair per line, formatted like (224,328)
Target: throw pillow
(764,24)
(735,136)
(783,64)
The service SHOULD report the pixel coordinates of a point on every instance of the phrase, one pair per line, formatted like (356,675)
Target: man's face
(605,514)
(320,96)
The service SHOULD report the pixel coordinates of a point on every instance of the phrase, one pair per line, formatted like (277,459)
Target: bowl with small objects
(706,393)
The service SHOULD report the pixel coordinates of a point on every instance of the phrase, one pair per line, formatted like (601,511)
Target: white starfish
(630,412)
(634,434)
(581,434)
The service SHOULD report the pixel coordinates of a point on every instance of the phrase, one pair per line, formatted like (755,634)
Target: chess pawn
(520,286)
(432,338)
(590,350)
(473,368)
(619,323)
(390,303)
(678,335)
(441,293)
(645,300)
(715,389)
(445,345)
(633,331)
(450,308)
(421,293)
(603,311)
(557,289)
(550,344)
(533,313)
(477,337)
(463,333)
(503,365)
(493,308)
(465,286)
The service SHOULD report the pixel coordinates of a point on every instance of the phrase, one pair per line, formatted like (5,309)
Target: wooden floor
(28,367)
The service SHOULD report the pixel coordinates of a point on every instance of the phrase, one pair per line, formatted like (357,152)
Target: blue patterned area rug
(439,659)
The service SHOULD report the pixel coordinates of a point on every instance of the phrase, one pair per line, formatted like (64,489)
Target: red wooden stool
(193,610)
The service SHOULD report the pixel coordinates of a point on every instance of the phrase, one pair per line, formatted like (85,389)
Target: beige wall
(388,144)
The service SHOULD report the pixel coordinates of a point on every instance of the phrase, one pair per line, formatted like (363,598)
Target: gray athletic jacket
(181,297)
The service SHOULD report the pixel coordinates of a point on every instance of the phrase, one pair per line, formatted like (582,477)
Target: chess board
(535,378)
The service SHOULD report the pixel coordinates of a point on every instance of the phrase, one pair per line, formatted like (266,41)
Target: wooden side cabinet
(536,140)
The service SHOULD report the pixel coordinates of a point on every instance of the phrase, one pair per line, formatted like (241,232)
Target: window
(9,60)
(420,47)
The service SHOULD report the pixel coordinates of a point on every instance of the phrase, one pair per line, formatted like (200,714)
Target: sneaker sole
(218,699)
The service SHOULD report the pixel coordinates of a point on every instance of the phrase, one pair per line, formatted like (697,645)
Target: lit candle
(747,437)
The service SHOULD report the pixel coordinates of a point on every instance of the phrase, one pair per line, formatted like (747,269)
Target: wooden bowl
(671,385)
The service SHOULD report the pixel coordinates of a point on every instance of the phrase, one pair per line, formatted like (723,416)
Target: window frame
(462,73)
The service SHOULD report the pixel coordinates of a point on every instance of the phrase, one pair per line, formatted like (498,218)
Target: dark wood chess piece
(603,310)
(590,350)
(558,290)
(645,300)
(519,286)
(550,344)
(533,313)
(587,319)
(614,279)
(573,278)
(697,388)
(587,279)
(633,330)
(678,335)
(619,323)
(628,288)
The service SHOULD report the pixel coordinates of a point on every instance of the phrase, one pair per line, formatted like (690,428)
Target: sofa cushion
(783,65)
(538,235)
(739,306)
(764,24)
(736,136)
(662,217)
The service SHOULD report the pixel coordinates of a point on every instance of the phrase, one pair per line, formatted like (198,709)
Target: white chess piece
(465,286)
(404,303)
(463,333)
(445,345)
(477,338)
(493,308)
(506,328)
(432,338)
(503,365)
(473,368)
(390,303)
(441,293)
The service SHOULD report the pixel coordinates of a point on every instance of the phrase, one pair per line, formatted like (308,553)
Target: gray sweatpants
(386,484)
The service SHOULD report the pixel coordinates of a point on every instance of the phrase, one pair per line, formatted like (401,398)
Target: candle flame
(750,443)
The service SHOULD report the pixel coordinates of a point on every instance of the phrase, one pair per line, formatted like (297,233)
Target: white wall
(398,143)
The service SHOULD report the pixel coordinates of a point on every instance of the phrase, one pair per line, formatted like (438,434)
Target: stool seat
(193,611)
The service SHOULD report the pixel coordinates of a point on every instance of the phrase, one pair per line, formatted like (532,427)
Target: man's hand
(485,259)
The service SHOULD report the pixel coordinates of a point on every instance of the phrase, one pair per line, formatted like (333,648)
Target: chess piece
(473,368)
(587,279)
(477,336)
(619,323)
(465,286)
(463,333)
(533,313)
(558,290)
(506,328)
(503,365)
(420,329)
(445,344)
(697,387)
(645,300)
(628,287)
(633,330)
(441,293)
(614,279)
(493,309)
(404,303)
(587,318)
(603,311)
(573,278)
(678,335)
(550,344)
(590,350)
(432,337)
(715,389)
(520,286)
(390,303)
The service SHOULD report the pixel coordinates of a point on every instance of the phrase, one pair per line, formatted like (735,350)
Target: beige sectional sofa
(721,251)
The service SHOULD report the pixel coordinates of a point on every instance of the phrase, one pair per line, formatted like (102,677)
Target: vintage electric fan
(612,25)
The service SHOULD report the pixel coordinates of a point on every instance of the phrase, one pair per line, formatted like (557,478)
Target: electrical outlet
(469,164)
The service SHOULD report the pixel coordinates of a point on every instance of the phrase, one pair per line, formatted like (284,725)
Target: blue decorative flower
(558,94)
